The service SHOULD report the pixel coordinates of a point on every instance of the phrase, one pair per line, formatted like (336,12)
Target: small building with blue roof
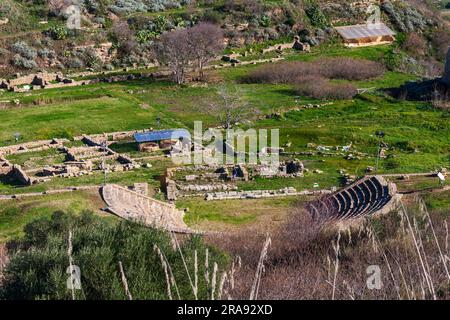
(162,139)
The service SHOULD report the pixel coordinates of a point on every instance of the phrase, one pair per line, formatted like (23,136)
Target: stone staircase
(365,197)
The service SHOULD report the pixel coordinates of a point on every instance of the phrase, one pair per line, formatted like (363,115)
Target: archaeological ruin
(135,206)
(365,197)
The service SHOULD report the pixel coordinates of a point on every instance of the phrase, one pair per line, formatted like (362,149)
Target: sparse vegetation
(38,262)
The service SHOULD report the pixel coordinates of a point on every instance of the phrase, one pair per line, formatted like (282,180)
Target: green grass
(15,214)
(232,212)
(37,158)
(438,201)
(70,119)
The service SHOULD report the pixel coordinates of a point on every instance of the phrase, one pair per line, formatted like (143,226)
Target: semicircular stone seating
(136,207)
(363,198)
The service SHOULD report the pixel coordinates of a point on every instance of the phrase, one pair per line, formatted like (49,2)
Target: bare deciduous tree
(205,41)
(173,50)
(124,37)
(182,47)
(230,108)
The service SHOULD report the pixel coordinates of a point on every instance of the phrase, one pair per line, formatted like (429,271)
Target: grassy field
(15,214)
(37,158)
(228,215)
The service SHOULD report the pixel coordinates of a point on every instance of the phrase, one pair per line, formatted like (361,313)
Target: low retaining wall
(257,194)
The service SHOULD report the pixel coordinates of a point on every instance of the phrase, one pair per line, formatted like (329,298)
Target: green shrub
(37,269)
(58,32)
(393,59)
(315,14)
(144,36)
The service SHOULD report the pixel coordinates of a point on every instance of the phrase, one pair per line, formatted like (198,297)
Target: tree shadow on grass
(286,91)
(428,90)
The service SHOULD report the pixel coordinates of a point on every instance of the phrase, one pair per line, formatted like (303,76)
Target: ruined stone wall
(21,176)
(5,166)
(257,194)
(32,146)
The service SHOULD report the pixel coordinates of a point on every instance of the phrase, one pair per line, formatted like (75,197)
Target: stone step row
(133,206)
(363,198)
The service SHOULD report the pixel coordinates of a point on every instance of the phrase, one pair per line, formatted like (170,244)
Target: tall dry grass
(308,260)
(3,260)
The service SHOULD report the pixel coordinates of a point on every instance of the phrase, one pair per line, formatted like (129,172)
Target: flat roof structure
(171,134)
(366,34)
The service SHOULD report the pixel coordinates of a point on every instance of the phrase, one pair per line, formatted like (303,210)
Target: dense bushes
(312,78)
(315,14)
(37,269)
(129,6)
(320,88)
(24,50)
(405,17)
(25,55)
(414,44)
(335,68)
(441,43)
(24,63)
(58,32)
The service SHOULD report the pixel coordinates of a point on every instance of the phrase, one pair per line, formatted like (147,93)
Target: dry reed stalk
(260,268)
(221,290)
(195,273)
(170,279)
(214,280)
(419,254)
(207,267)
(351,291)
(336,248)
(194,289)
(402,276)
(424,209)
(328,269)
(402,222)
(446,236)
(233,270)
(69,253)
(407,289)
(425,257)
(379,248)
(164,265)
(124,281)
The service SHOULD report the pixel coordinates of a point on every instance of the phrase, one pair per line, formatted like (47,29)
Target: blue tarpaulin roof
(172,134)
